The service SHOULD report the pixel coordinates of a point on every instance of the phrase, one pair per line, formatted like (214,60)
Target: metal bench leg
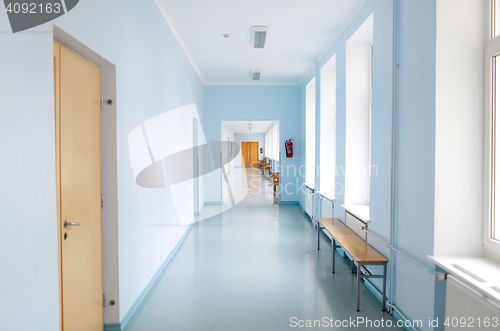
(319,225)
(333,256)
(357,291)
(383,287)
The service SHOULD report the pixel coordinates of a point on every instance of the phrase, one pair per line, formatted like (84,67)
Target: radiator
(309,202)
(356,225)
(326,208)
(464,305)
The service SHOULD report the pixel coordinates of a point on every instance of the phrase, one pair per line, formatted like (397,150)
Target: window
(492,131)
(272,143)
(276,142)
(359,58)
(495,146)
(311,133)
(495,16)
(328,127)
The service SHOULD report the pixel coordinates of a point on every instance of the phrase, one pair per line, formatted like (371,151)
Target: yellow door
(244,154)
(78,147)
(255,154)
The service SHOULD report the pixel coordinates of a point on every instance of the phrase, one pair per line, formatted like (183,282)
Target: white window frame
(492,49)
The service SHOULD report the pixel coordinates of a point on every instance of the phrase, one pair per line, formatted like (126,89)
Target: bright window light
(310,133)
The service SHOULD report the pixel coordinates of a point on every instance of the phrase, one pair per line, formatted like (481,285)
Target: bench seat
(358,249)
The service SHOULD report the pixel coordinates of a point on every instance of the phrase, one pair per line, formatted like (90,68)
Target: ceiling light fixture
(259,36)
(256,74)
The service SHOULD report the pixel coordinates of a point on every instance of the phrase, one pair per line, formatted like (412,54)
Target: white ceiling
(300,32)
(244,127)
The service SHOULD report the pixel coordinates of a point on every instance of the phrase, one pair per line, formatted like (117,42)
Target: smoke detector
(256,74)
(259,36)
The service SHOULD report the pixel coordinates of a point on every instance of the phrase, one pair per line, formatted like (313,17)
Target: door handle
(66,223)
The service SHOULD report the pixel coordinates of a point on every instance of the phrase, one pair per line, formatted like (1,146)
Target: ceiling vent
(256,74)
(259,36)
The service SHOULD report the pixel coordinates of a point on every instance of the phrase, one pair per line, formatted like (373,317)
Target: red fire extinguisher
(261,150)
(289,148)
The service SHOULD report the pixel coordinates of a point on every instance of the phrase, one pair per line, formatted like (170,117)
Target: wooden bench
(266,166)
(276,180)
(357,250)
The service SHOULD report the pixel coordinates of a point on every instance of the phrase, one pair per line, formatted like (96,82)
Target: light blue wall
(153,76)
(234,102)
(414,291)
(415,154)
(28,215)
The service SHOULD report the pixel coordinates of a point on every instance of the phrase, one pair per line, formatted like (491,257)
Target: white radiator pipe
(392,248)
(395,101)
(390,305)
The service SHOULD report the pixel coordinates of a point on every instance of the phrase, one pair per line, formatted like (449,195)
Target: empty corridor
(253,267)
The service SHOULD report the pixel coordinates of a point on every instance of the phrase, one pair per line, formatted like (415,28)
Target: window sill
(330,196)
(360,211)
(480,273)
(309,186)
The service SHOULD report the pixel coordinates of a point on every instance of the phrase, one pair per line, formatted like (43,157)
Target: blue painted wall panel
(415,150)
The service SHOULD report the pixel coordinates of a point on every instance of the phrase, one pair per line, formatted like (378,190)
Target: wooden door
(254,154)
(244,155)
(78,150)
